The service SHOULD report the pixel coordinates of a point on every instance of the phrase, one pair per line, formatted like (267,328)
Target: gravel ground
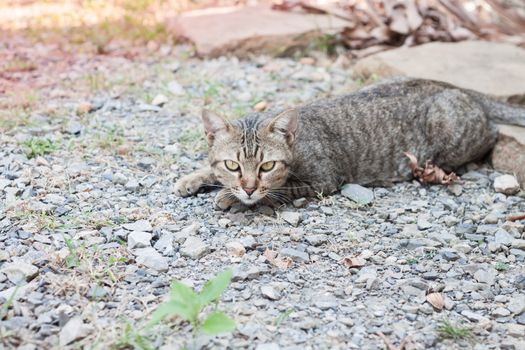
(93,235)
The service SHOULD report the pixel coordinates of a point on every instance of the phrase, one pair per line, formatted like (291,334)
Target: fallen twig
(516,217)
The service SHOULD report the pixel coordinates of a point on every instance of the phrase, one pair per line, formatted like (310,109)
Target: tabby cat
(357,138)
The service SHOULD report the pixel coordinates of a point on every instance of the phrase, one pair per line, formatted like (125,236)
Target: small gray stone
(487,275)
(146,163)
(450,255)
(139,239)
(159,100)
(132,185)
(503,237)
(518,244)
(141,225)
(295,255)
(317,240)
(19,271)
(248,242)
(194,248)
(359,194)
(291,217)
(120,178)
(521,319)
(516,304)
(300,202)
(455,189)
(325,302)
(516,330)
(75,329)
(270,292)
(506,184)
(165,244)
(152,259)
(500,312)
(414,243)
(423,223)
(74,127)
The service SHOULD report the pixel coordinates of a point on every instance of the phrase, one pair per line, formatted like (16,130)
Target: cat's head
(251,157)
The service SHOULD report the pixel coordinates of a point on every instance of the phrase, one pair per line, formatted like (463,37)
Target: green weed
(37,147)
(412,261)
(283,316)
(501,266)
(193,140)
(189,305)
(132,338)
(447,330)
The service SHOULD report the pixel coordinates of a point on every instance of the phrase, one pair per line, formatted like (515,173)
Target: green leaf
(187,298)
(169,309)
(217,323)
(213,289)
(182,293)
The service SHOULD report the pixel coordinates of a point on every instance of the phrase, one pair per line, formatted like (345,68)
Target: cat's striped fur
(356,138)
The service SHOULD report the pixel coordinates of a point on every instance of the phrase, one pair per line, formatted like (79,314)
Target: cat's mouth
(249,199)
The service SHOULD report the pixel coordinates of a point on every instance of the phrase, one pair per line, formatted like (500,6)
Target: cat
(356,138)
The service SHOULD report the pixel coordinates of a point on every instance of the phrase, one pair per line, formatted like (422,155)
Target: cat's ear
(286,124)
(213,123)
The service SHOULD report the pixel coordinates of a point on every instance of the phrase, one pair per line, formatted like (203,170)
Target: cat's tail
(501,112)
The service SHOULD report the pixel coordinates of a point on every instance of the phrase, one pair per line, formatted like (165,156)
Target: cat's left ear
(286,124)
(213,124)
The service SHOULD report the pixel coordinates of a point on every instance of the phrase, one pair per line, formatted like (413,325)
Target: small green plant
(37,147)
(73,258)
(189,305)
(412,260)
(501,266)
(132,339)
(5,307)
(447,330)
(283,316)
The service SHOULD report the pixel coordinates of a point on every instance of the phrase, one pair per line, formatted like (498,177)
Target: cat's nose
(249,190)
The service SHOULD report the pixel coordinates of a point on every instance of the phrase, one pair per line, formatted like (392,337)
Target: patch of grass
(501,266)
(189,305)
(325,43)
(40,220)
(448,330)
(192,139)
(109,138)
(37,147)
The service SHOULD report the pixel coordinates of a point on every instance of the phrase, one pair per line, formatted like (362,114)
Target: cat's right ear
(213,123)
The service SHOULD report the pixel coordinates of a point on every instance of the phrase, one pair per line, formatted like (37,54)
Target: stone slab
(508,155)
(251,29)
(497,69)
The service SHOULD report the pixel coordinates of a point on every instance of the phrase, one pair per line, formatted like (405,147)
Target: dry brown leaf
(282,262)
(436,300)
(353,262)
(430,174)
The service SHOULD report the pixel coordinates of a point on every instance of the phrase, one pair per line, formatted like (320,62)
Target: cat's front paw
(189,185)
(224,199)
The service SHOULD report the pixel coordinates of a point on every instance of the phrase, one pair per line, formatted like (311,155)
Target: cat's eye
(267,166)
(231,165)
